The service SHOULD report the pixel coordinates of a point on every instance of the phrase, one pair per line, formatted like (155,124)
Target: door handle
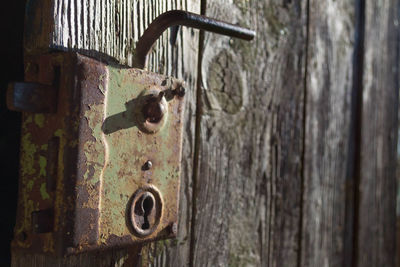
(184,18)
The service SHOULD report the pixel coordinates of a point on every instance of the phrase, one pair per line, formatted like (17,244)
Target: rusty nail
(174,228)
(147,166)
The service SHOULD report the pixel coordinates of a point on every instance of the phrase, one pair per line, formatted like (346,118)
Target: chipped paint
(48,243)
(28,154)
(42,165)
(129,148)
(39,120)
(43,192)
(30,185)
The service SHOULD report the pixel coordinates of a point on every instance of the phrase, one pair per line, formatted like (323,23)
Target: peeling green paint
(30,185)
(96,160)
(43,192)
(28,209)
(28,120)
(39,120)
(59,132)
(42,165)
(28,155)
(121,152)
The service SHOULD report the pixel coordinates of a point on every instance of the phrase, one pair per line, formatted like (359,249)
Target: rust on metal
(155,108)
(82,166)
(31,97)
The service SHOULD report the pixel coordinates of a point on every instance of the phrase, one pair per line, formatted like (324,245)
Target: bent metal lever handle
(180,17)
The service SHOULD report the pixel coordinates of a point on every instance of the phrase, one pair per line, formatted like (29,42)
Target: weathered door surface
(289,146)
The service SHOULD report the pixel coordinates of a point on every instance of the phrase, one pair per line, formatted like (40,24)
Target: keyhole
(145,211)
(147,207)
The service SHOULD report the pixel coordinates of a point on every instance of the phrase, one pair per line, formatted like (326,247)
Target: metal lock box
(86,165)
(101,147)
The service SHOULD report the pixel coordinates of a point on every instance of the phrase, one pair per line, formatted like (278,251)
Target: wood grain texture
(248,187)
(377,186)
(108,30)
(327,159)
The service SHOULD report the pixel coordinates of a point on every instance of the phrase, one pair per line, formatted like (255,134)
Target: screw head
(147,165)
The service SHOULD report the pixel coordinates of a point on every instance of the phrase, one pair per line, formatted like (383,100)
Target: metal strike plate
(102,170)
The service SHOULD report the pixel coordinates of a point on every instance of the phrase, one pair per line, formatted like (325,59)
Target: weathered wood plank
(248,185)
(105,29)
(327,157)
(282,176)
(377,182)
(108,30)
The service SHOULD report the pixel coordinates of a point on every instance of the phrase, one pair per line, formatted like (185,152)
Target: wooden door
(289,147)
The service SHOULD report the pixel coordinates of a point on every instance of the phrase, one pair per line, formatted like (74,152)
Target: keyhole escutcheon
(146,211)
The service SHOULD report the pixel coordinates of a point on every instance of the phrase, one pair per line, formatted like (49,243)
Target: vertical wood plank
(108,30)
(377,182)
(248,185)
(327,157)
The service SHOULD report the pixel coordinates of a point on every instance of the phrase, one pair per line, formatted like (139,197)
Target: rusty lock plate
(103,170)
(101,147)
